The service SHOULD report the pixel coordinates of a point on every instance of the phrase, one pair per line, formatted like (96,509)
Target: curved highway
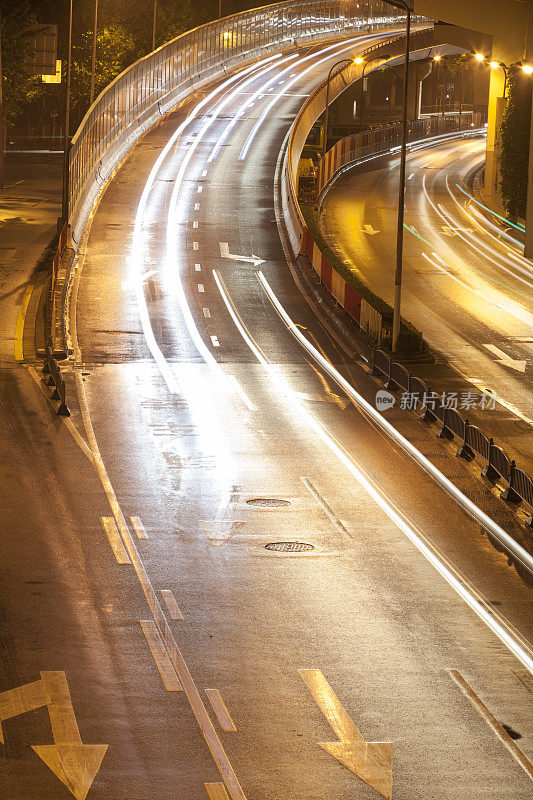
(466,284)
(348,660)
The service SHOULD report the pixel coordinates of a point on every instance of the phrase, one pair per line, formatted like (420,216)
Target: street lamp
(66,142)
(505,70)
(357,60)
(93,60)
(384,56)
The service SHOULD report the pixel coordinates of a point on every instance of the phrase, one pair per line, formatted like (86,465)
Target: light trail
(510,638)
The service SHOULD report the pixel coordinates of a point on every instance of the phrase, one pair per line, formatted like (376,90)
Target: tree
(18,88)
(514,144)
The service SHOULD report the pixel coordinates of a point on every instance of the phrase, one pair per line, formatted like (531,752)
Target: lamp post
(93,62)
(358,60)
(505,70)
(401,192)
(154,25)
(66,142)
(363,89)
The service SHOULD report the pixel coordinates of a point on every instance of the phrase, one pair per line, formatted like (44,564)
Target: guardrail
(54,380)
(472,441)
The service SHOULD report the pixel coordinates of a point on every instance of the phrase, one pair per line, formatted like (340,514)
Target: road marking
(216,791)
(160,656)
(74,763)
(201,287)
(222,713)
(207,313)
(204,173)
(526,678)
(215,342)
(411,176)
(199,189)
(492,722)
(117,545)
(171,604)
(197,206)
(507,361)
(370,761)
(370,230)
(197,267)
(138,527)
(242,394)
(325,507)
(195,246)
(225,253)
(21,318)
(195,223)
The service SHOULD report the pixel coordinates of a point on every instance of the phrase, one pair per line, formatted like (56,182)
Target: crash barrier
(153,85)
(472,441)
(387,139)
(52,377)
(61,270)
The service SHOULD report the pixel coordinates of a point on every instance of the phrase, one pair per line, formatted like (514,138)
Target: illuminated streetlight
(479,57)
(437,58)
(527,68)
(383,57)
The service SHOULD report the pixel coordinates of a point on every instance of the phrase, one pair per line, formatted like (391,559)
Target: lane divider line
(193,695)
(222,713)
(138,527)
(330,514)
(493,723)
(216,791)
(171,604)
(19,327)
(117,545)
(160,656)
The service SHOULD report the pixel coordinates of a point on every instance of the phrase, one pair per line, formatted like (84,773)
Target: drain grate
(268,502)
(289,547)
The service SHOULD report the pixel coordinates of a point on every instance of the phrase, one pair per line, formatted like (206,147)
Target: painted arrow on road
(506,360)
(370,230)
(449,231)
(370,761)
(225,253)
(74,763)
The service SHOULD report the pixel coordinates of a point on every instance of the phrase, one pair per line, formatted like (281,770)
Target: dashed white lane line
(197,267)
(117,545)
(171,604)
(159,653)
(201,287)
(195,223)
(138,527)
(199,189)
(207,313)
(204,173)
(222,713)
(195,246)
(215,342)
(197,206)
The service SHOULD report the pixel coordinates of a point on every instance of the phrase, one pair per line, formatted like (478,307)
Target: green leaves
(514,145)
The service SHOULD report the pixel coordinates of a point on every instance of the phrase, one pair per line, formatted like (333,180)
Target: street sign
(56,78)
(41,50)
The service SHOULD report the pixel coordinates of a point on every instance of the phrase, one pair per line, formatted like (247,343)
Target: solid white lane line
(499,626)
(222,713)
(330,514)
(115,541)
(492,722)
(138,527)
(160,656)
(242,394)
(171,604)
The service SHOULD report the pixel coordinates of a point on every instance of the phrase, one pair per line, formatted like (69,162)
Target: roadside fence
(473,443)
(54,380)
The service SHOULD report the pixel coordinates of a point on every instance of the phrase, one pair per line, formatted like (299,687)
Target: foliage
(17,87)
(514,145)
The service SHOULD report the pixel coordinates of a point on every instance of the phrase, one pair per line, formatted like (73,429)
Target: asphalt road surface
(138,597)
(466,284)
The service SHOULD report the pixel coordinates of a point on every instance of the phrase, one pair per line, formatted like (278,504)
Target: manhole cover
(289,547)
(268,502)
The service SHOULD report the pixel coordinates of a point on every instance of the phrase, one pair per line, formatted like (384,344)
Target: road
(200,433)
(465,285)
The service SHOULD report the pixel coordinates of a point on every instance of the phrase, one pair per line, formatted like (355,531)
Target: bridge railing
(151,86)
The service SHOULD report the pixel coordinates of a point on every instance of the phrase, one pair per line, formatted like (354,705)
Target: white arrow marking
(448,230)
(506,360)
(370,230)
(370,761)
(225,253)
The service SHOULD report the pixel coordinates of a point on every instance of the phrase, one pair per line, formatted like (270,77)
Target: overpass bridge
(242,586)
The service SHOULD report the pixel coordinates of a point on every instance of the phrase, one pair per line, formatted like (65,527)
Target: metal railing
(154,83)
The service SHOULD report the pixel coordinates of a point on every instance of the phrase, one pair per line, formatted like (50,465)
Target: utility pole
(93,63)
(154,25)
(66,138)
(220,9)
(2,181)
